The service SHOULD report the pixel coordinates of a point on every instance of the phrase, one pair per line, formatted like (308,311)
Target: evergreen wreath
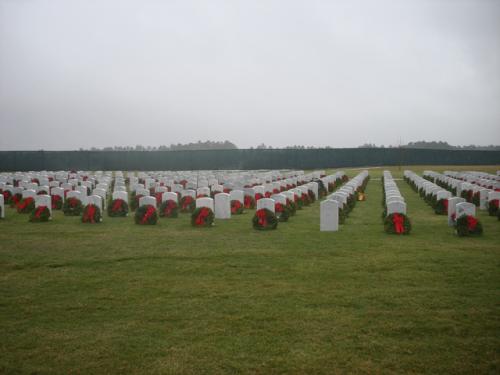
(236,207)
(40,214)
(146,215)
(202,217)
(397,223)
(468,225)
(118,208)
(72,207)
(91,214)
(264,219)
(169,208)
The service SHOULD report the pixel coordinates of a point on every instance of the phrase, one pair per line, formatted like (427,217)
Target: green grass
(122,298)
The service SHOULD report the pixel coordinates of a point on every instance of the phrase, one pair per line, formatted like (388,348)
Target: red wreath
(264,219)
(7,195)
(468,225)
(117,208)
(187,203)
(202,217)
(40,213)
(26,205)
(236,207)
(91,214)
(282,211)
(397,223)
(16,198)
(169,208)
(158,197)
(249,201)
(493,206)
(57,202)
(146,215)
(441,207)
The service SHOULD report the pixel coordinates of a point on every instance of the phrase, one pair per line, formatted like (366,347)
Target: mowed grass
(171,299)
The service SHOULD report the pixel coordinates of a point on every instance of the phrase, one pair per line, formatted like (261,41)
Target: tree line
(227,145)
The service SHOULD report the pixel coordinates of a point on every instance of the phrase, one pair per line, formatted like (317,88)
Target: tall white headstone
(144,201)
(2,207)
(266,203)
(205,202)
(222,206)
(329,216)
(452,204)
(44,200)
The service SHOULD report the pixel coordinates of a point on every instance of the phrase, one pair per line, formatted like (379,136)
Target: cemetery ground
(123,298)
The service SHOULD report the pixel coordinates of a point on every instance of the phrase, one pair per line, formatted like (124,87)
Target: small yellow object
(361,197)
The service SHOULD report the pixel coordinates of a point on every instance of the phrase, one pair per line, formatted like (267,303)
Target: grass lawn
(123,298)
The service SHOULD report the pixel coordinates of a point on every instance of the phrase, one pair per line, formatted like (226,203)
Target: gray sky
(83,73)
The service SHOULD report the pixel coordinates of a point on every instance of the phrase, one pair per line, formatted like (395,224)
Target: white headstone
(74,194)
(483,199)
(329,216)
(102,193)
(203,191)
(143,192)
(492,195)
(205,202)
(120,195)
(170,196)
(452,203)
(222,206)
(315,188)
(29,193)
(95,200)
(44,200)
(396,207)
(259,189)
(189,192)
(57,191)
(279,198)
(2,207)
(148,200)
(266,203)
(465,208)
(237,195)
(443,194)
(82,190)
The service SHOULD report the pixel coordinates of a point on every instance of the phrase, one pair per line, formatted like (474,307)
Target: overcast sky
(324,73)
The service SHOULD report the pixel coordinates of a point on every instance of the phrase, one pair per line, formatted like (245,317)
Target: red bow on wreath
(247,201)
(471,223)
(169,207)
(235,206)
(25,203)
(89,216)
(39,211)
(261,214)
(55,199)
(398,221)
(445,204)
(158,197)
(187,201)
(116,205)
(204,212)
(149,212)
